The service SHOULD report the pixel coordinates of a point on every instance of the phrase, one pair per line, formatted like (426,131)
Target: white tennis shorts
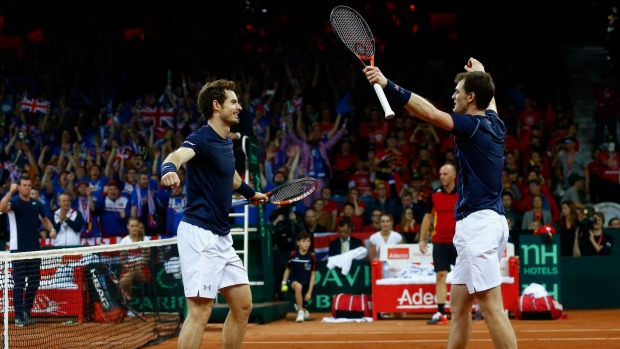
(480,240)
(208,261)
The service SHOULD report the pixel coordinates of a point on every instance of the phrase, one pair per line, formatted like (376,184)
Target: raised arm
(475,65)
(419,106)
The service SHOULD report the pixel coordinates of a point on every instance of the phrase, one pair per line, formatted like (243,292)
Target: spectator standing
(25,215)
(145,205)
(314,160)
(571,161)
(176,207)
(68,222)
(85,204)
(567,227)
(439,222)
(114,210)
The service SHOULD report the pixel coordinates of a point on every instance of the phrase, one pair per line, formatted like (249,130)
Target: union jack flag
(35,106)
(159,117)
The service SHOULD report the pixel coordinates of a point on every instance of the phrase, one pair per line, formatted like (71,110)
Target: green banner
(165,294)
(330,282)
(540,263)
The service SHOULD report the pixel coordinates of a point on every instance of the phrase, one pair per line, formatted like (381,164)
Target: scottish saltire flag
(35,106)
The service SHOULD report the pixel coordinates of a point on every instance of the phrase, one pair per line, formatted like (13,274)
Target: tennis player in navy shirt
(209,262)
(481,228)
(24,237)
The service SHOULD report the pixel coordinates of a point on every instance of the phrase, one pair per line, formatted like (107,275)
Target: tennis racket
(287,193)
(355,34)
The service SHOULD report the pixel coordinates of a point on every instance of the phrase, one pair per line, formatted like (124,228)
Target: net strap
(73,251)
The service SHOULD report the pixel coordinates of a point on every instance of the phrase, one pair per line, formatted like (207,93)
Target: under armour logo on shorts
(207,287)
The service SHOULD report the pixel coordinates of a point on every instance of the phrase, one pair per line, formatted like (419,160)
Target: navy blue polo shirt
(302,266)
(24,222)
(479,153)
(209,179)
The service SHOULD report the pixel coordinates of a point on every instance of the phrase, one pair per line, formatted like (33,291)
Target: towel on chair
(344,260)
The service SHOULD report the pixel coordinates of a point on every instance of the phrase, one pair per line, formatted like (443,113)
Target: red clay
(581,329)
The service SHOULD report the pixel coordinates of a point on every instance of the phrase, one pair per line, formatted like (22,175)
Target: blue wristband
(246,190)
(396,92)
(167,167)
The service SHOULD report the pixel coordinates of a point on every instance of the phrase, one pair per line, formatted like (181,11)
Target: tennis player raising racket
(481,228)
(209,262)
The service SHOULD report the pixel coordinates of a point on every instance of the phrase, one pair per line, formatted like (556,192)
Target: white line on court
(436,331)
(432,341)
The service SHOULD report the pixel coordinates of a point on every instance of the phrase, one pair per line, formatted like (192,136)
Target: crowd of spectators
(100,133)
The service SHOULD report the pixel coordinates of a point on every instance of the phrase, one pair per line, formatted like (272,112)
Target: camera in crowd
(587,222)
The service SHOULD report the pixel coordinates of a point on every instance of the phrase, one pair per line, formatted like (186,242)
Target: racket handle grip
(389,113)
(239,203)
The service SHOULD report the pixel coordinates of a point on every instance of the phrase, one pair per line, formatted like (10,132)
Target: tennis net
(113,296)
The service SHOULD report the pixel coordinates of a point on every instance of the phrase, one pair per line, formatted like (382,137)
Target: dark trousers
(23,295)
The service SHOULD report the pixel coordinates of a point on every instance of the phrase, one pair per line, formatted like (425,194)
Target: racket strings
(354,32)
(292,191)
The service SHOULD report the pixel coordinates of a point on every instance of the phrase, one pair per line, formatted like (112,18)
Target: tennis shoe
(28,320)
(300,316)
(438,319)
(20,323)
(306,314)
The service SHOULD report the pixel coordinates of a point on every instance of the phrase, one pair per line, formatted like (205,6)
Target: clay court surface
(583,329)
